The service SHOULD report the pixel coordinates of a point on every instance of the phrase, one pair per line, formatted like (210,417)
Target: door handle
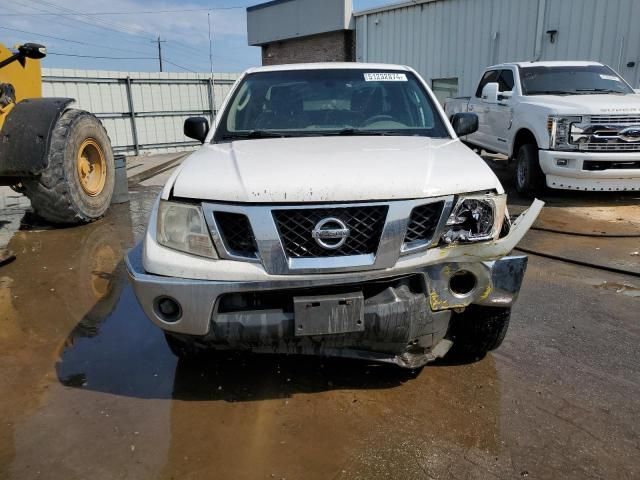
(470,108)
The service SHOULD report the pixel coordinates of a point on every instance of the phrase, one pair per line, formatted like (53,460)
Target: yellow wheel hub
(92,167)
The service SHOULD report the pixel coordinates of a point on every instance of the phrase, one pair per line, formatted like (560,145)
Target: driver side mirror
(490,93)
(464,123)
(196,128)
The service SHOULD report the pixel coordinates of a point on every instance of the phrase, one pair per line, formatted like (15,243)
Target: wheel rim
(521,173)
(92,167)
(105,260)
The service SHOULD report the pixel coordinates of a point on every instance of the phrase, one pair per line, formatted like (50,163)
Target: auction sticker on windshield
(385,77)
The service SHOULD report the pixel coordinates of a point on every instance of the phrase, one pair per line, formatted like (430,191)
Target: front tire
(78,183)
(183,347)
(477,331)
(529,177)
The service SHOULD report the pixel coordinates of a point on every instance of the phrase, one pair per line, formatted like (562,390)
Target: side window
(488,77)
(505,81)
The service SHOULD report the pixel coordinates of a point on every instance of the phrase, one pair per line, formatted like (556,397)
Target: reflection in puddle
(622,288)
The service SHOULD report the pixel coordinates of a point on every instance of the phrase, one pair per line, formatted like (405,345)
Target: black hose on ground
(579,262)
(580,234)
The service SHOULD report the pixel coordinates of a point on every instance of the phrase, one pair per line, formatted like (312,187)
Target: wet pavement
(90,390)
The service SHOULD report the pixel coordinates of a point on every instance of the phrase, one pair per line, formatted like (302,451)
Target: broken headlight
(181,226)
(475,218)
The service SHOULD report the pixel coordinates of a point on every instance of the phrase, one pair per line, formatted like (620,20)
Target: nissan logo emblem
(630,134)
(330,233)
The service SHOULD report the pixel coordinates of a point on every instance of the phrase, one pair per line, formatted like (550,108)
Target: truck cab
(567,125)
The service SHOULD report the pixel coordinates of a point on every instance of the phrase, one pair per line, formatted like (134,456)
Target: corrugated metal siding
(460,38)
(158,99)
(605,31)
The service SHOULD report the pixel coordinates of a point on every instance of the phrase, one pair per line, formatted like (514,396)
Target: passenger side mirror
(490,93)
(196,128)
(464,123)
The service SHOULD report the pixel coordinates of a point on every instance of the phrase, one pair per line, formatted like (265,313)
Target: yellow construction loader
(58,156)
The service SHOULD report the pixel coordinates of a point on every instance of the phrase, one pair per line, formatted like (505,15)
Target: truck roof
(555,63)
(329,66)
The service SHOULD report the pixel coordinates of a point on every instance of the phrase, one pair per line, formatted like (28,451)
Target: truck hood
(330,169)
(588,104)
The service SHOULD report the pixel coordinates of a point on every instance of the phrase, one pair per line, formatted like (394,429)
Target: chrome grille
(422,224)
(609,119)
(364,222)
(236,234)
(603,133)
(610,147)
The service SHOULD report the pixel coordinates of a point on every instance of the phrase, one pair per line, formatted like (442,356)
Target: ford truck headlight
(181,226)
(475,218)
(559,129)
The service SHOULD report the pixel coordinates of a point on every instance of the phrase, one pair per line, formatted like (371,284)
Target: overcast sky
(130,36)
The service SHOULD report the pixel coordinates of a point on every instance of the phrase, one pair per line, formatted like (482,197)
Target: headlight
(475,218)
(560,132)
(181,226)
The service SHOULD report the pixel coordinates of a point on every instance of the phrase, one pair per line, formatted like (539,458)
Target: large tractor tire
(77,186)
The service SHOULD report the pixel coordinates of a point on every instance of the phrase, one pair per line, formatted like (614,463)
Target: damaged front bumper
(405,316)
(407,308)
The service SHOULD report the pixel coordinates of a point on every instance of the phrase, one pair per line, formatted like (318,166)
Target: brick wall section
(325,47)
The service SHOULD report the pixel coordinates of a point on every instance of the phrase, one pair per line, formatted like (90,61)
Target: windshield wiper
(549,92)
(253,134)
(598,90)
(358,131)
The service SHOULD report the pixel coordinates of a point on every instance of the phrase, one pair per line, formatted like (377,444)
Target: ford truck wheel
(77,186)
(529,176)
(477,331)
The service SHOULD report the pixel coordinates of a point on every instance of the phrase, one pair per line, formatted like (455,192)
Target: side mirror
(464,123)
(196,128)
(490,93)
(34,51)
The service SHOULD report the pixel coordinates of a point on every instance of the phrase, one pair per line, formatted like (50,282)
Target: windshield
(588,79)
(329,102)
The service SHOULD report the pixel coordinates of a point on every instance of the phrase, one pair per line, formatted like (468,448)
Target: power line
(91,45)
(131,12)
(98,56)
(87,23)
(54,38)
(179,66)
(126,31)
(83,17)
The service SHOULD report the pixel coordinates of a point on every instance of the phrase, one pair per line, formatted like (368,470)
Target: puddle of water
(622,288)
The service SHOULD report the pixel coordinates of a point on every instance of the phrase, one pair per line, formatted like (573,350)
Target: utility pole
(160,42)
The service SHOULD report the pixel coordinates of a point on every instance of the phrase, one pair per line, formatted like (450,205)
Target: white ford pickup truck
(332,210)
(567,125)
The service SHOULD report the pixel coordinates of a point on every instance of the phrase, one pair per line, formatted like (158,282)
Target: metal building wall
(459,38)
(142,112)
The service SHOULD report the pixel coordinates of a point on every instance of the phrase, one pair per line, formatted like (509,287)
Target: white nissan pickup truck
(567,125)
(332,210)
